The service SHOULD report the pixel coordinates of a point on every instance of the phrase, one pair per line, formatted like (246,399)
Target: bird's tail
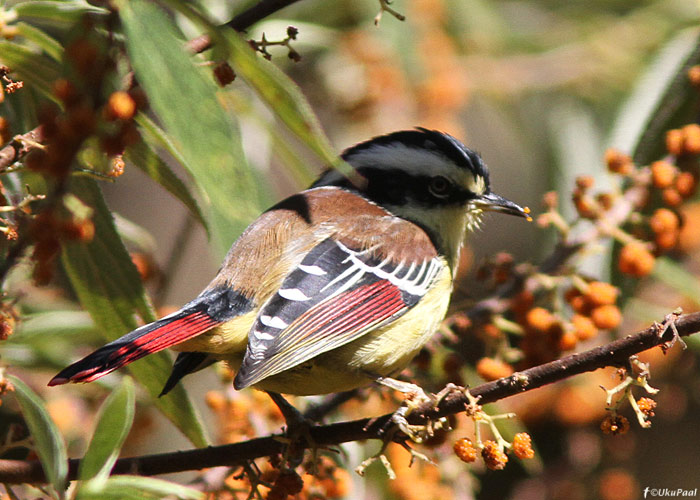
(188,322)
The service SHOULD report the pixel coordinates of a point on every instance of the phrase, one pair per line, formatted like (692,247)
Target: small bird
(335,286)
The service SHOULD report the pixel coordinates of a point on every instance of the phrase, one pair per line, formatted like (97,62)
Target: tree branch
(613,354)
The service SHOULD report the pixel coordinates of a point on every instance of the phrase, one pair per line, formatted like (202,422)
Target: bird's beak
(491,202)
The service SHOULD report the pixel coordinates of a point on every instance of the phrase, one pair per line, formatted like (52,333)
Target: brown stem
(613,354)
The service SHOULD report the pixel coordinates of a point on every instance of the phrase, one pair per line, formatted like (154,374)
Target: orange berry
(584,328)
(663,174)
(694,76)
(567,341)
(493,369)
(636,260)
(691,139)
(120,106)
(599,293)
(5,134)
(674,142)
(671,197)
(465,450)
(215,400)
(666,240)
(606,317)
(584,182)
(493,456)
(585,205)
(664,220)
(522,446)
(686,184)
(618,162)
(540,319)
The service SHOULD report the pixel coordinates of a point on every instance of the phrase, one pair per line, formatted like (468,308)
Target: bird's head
(429,178)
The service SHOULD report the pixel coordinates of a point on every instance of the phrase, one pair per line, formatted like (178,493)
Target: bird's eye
(439,186)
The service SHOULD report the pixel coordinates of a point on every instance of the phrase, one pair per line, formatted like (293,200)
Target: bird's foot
(297,436)
(415,398)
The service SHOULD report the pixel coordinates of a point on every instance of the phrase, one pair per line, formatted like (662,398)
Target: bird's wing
(348,284)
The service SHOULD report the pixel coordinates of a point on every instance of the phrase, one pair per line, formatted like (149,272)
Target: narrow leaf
(109,288)
(136,488)
(211,148)
(114,422)
(57,12)
(45,42)
(47,440)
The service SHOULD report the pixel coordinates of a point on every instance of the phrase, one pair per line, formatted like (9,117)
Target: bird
(334,287)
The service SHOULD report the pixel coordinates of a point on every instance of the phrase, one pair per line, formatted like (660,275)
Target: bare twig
(18,147)
(242,21)
(613,354)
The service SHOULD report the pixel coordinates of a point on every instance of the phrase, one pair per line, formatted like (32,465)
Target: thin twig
(613,354)
(242,21)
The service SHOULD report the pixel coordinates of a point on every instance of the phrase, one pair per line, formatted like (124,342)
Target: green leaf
(678,278)
(114,422)
(109,288)
(47,440)
(57,12)
(36,70)
(211,150)
(150,163)
(46,327)
(45,42)
(275,88)
(136,488)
